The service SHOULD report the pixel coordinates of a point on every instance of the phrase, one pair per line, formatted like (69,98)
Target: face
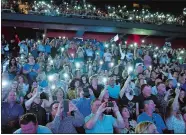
(31,59)
(12,96)
(95,106)
(59,94)
(182,94)
(77,83)
(152,129)
(83,78)
(20,79)
(151,105)
(13,61)
(34,84)
(116,70)
(66,69)
(95,81)
(29,128)
(112,81)
(154,75)
(147,91)
(54,109)
(14,85)
(170,84)
(139,69)
(34,91)
(162,88)
(106,96)
(125,113)
(49,67)
(141,76)
(175,74)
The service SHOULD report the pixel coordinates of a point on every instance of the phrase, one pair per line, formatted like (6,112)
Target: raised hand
(102,108)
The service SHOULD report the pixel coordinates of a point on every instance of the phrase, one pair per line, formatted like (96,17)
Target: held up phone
(66,105)
(178,85)
(110,104)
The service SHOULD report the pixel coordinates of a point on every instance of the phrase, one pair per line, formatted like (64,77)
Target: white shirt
(107,56)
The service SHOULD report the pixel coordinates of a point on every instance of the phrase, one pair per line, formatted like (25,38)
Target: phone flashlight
(50,77)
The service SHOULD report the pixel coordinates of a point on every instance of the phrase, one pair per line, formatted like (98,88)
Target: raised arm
(92,121)
(125,86)
(119,121)
(31,100)
(175,102)
(47,103)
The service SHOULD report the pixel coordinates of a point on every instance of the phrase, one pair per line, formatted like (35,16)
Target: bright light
(53,86)
(65,75)
(182,51)
(164,49)
(130,69)
(155,55)
(104,80)
(178,84)
(101,62)
(51,62)
(64,37)
(51,77)
(77,65)
(111,64)
(59,37)
(4,83)
(43,35)
(62,49)
(106,45)
(156,48)
(150,67)
(143,41)
(125,42)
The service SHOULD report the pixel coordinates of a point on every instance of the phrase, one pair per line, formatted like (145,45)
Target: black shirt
(141,99)
(98,91)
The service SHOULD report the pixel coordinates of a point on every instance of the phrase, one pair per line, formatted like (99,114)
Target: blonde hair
(142,127)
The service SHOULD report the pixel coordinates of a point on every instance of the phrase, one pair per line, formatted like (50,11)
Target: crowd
(87,10)
(63,85)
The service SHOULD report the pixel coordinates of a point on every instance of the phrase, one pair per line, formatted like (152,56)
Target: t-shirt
(156,119)
(114,91)
(28,67)
(101,126)
(107,56)
(40,130)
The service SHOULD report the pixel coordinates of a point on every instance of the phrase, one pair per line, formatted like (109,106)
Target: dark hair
(10,64)
(159,83)
(143,86)
(55,102)
(28,117)
(85,77)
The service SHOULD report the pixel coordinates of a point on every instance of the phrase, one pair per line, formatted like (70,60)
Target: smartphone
(110,104)
(66,105)
(178,85)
